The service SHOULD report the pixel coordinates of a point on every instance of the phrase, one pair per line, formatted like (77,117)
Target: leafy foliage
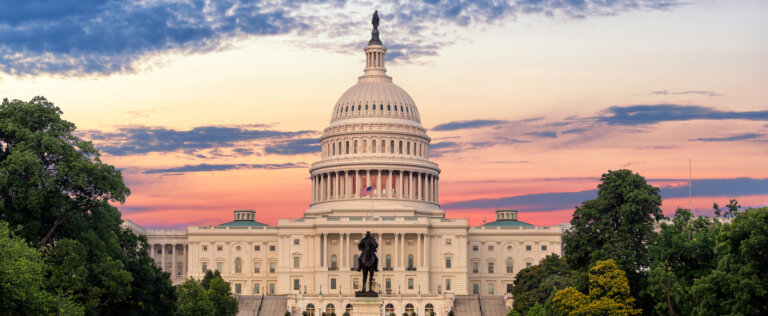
(217,293)
(535,284)
(739,283)
(608,294)
(193,299)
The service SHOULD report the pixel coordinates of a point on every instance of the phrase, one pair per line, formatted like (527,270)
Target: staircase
(248,305)
(275,305)
(493,305)
(466,305)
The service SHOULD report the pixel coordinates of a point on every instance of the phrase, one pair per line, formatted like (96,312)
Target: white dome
(374,97)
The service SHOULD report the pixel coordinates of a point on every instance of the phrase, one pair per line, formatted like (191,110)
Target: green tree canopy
(608,294)
(535,284)
(195,296)
(194,300)
(739,283)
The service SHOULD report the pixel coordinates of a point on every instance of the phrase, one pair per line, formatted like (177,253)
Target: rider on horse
(368,246)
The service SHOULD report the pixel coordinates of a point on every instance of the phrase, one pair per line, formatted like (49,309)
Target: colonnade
(173,255)
(347,249)
(386,183)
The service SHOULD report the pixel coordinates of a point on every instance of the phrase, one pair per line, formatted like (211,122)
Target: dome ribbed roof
(375,98)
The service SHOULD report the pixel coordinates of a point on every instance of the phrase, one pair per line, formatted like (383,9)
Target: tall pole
(690,186)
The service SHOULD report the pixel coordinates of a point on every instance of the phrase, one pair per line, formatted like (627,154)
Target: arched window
(420,151)
(366,107)
(333,261)
(346,110)
(355,147)
(330,309)
(401,108)
(381,107)
(395,108)
(509,265)
(409,309)
(349,308)
(410,261)
(429,310)
(346,151)
(238,265)
(358,107)
(383,143)
(334,149)
(408,148)
(365,146)
(353,107)
(310,309)
(356,263)
(373,146)
(406,110)
(388,262)
(389,309)
(339,148)
(391,146)
(400,148)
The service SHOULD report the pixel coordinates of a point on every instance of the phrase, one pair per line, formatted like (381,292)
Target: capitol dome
(375,153)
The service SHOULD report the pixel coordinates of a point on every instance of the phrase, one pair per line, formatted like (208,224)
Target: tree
(22,285)
(608,294)
(535,284)
(220,294)
(739,283)
(47,174)
(617,225)
(731,209)
(683,252)
(194,300)
(210,275)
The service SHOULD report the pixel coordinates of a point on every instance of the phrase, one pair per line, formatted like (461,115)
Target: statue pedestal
(366,294)
(366,306)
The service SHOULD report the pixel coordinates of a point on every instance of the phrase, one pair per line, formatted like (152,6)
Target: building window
(296,262)
(330,309)
(295,241)
(310,310)
(355,283)
(410,284)
(475,267)
(389,108)
(271,288)
(527,247)
(333,262)
(296,285)
(544,247)
(205,266)
(389,309)
(447,284)
(220,266)
(475,288)
(447,262)
(256,288)
(400,148)
(356,262)
(373,146)
(349,309)
(346,148)
(238,288)
(410,261)
(490,247)
(388,285)
(238,265)
(509,265)
(333,283)
(257,248)
(527,264)
(490,266)
(388,261)
(205,248)
(257,267)
(474,248)
(272,267)
(391,146)
(490,288)
(409,309)
(447,242)
(218,248)
(510,286)
(272,248)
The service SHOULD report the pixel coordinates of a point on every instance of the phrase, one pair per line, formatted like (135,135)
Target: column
(164,251)
(367,178)
(175,260)
(418,249)
(410,185)
(186,260)
(402,185)
(418,186)
(402,250)
(346,185)
(322,187)
(427,255)
(357,184)
(437,190)
(342,250)
(325,250)
(397,249)
(312,198)
(317,249)
(389,184)
(378,183)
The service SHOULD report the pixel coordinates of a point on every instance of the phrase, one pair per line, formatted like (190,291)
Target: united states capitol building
(427,262)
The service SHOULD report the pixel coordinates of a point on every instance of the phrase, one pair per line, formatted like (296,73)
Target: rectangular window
(205,266)
(296,285)
(447,242)
(410,284)
(271,288)
(474,248)
(355,284)
(220,266)
(272,248)
(490,288)
(296,262)
(272,267)
(256,288)
(257,248)
(333,283)
(218,248)
(389,284)
(475,267)
(527,247)
(447,284)
(205,248)
(257,267)
(509,287)
(490,247)
(447,262)
(544,247)
(490,267)
(475,288)
(527,264)
(238,288)
(295,241)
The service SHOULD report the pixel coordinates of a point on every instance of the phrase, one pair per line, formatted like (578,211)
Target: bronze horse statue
(368,261)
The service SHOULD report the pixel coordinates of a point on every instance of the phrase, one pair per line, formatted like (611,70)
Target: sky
(211,106)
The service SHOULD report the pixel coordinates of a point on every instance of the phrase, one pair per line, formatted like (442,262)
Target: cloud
(707,93)
(136,140)
(727,138)
(224,167)
(651,114)
(457,125)
(574,131)
(544,134)
(542,202)
(294,147)
(80,38)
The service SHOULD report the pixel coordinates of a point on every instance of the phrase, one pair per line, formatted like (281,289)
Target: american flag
(366,191)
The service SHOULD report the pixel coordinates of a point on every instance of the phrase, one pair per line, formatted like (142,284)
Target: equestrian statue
(368,263)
